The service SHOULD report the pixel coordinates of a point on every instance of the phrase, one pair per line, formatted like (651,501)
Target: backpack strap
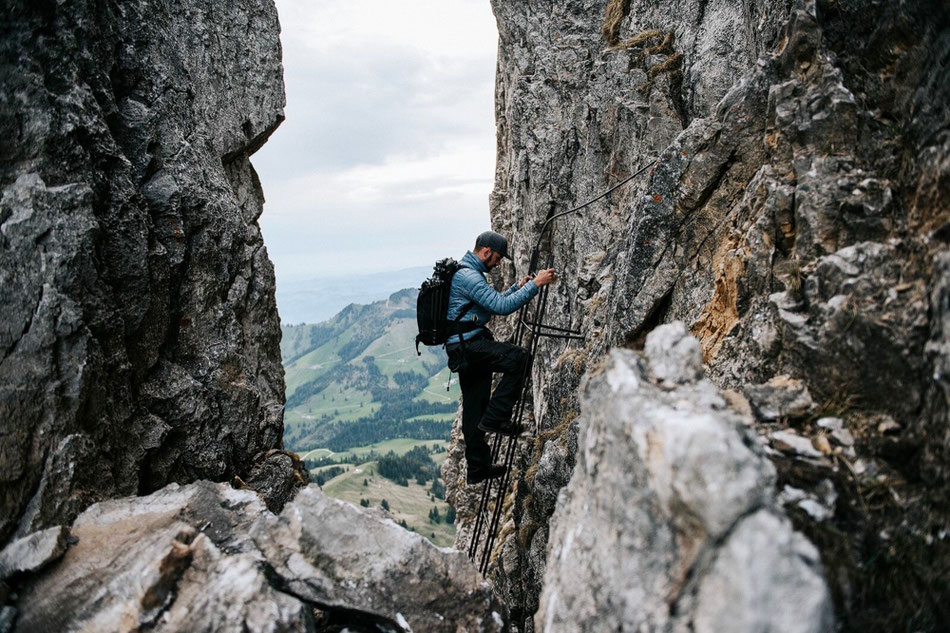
(462,328)
(457,327)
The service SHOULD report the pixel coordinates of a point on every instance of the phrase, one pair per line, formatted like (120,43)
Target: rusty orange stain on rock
(721,314)
(657,198)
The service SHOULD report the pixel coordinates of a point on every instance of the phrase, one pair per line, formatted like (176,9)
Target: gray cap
(494,241)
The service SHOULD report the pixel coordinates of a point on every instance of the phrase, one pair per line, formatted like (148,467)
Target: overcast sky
(387,155)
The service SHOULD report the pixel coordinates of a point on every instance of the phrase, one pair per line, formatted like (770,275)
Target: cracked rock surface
(670,516)
(138,329)
(31,553)
(206,557)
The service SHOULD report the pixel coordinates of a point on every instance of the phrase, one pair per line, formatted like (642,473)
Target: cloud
(448,28)
(338,117)
(389,136)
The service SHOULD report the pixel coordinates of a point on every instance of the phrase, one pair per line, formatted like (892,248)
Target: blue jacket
(469,284)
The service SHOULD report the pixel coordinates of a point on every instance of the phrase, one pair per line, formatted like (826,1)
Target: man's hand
(544,277)
(525,280)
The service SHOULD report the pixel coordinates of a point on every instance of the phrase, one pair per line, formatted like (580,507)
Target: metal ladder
(537,329)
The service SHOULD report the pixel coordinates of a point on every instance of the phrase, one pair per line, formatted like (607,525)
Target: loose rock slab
(33,552)
(206,557)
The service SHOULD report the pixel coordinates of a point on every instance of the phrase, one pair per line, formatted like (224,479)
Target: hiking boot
(478,476)
(506,429)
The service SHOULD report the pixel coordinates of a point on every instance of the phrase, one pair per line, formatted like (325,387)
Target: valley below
(357,393)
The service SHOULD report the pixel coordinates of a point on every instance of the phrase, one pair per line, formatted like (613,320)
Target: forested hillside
(356,379)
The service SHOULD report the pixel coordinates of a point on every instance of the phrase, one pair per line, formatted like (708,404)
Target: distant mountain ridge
(356,379)
(319,299)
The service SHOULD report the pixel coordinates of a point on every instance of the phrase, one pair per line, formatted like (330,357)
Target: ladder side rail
(509,458)
(483,512)
(499,503)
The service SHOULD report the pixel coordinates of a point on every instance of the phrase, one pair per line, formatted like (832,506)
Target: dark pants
(481,357)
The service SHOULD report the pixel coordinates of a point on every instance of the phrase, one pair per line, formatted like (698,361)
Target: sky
(386,158)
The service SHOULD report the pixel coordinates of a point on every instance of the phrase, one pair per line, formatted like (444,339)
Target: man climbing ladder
(475,354)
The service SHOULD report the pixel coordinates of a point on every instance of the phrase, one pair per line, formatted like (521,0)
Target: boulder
(32,553)
(780,397)
(332,554)
(207,557)
(276,476)
(676,358)
(670,520)
(789,442)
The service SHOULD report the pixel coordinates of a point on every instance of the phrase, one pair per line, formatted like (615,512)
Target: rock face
(670,517)
(795,222)
(138,329)
(205,557)
(31,553)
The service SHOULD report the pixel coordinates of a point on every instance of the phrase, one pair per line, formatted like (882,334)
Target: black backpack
(432,307)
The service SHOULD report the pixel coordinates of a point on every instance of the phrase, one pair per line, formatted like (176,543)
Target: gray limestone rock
(138,329)
(843,437)
(937,424)
(333,554)
(674,357)
(852,307)
(670,519)
(766,577)
(832,424)
(7,618)
(206,557)
(789,442)
(819,502)
(31,553)
(780,397)
(795,222)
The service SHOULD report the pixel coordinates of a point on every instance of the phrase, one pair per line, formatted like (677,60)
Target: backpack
(432,307)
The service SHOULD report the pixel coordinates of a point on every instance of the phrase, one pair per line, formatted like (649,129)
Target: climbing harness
(537,329)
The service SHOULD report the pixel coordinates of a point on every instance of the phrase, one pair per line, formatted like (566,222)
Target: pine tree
(385,505)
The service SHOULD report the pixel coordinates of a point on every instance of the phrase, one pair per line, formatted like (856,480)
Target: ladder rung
(551,327)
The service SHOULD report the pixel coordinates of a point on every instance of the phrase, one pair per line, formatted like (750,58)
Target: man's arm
(515,286)
(484,295)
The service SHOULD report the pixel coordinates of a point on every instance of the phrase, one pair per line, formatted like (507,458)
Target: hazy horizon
(320,298)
